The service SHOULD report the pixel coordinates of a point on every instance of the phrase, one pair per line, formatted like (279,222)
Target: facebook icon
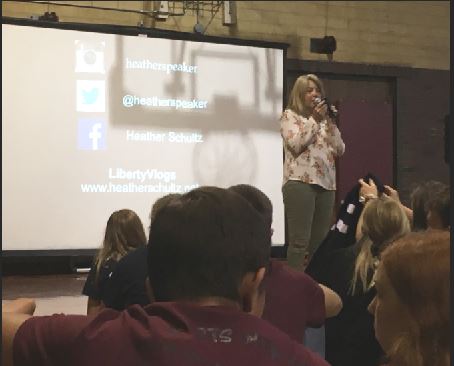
(91,134)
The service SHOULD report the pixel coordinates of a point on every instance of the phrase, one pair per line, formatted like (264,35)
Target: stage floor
(53,293)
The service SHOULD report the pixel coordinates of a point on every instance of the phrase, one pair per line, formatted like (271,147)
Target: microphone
(332,111)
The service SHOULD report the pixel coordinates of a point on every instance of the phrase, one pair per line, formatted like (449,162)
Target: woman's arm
(335,138)
(333,302)
(298,133)
(367,192)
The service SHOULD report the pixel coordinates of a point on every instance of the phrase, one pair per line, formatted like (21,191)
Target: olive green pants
(309,210)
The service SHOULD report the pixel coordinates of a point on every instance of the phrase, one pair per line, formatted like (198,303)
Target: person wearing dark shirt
(294,301)
(126,285)
(307,302)
(349,271)
(95,284)
(124,232)
(207,256)
(349,337)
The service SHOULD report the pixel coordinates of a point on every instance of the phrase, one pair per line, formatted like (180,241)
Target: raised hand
(392,193)
(320,111)
(368,190)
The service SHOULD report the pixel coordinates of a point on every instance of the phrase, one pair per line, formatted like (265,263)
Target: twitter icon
(91,96)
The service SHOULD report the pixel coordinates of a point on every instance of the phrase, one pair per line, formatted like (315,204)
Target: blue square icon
(91,134)
(91,96)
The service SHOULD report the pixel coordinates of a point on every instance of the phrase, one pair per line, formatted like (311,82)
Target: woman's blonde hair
(418,268)
(384,221)
(296,98)
(124,232)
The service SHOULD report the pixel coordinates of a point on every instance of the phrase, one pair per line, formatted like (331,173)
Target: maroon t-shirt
(159,334)
(293,301)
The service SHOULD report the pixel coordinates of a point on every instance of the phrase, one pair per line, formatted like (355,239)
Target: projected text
(134,100)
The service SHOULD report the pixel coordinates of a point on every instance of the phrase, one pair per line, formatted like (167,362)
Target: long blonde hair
(296,98)
(384,221)
(124,232)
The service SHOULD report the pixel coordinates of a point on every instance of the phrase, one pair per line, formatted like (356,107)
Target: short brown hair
(203,243)
(440,203)
(420,197)
(258,199)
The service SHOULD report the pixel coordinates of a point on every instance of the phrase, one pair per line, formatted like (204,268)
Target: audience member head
(262,204)
(412,306)
(209,243)
(257,199)
(419,198)
(124,232)
(438,207)
(384,220)
(160,203)
(296,100)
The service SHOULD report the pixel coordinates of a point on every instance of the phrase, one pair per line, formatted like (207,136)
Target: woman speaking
(312,142)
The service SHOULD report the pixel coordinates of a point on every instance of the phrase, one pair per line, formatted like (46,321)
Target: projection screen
(95,122)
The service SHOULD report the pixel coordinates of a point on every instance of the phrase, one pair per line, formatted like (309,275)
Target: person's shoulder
(110,320)
(51,328)
(108,266)
(289,113)
(105,272)
(135,257)
(132,265)
(241,331)
(281,271)
(47,319)
(131,268)
(274,341)
(138,252)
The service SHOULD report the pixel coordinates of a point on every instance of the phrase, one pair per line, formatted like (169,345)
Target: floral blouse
(310,149)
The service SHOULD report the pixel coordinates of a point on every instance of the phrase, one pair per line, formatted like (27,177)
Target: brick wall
(412,35)
(402,33)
